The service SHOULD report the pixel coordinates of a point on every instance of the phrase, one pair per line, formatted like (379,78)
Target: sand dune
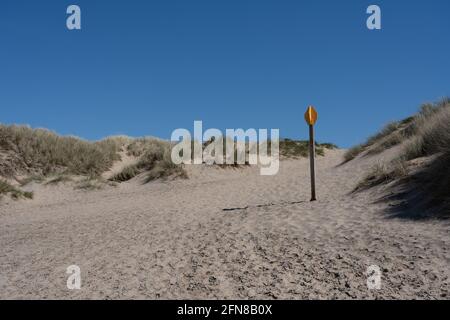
(222,233)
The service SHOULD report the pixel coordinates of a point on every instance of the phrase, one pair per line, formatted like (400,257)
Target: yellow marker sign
(311,116)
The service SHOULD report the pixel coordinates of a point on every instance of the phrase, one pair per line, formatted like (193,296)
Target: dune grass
(39,178)
(59,178)
(433,138)
(423,135)
(45,152)
(154,159)
(397,132)
(300,148)
(126,174)
(15,193)
(353,152)
(89,184)
(45,157)
(385,139)
(383,173)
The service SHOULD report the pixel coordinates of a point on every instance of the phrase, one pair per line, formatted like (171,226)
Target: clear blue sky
(149,67)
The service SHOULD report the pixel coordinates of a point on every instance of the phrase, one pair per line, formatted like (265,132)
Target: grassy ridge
(42,156)
(45,152)
(397,132)
(155,157)
(425,134)
(300,148)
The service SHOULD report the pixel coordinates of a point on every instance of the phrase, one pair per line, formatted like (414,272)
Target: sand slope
(174,239)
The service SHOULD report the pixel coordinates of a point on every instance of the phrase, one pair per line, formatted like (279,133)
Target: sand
(223,233)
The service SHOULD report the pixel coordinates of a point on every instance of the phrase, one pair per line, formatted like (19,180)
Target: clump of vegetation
(230,163)
(60,178)
(165,168)
(155,156)
(15,193)
(300,148)
(425,134)
(382,173)
(287,148)
(384,132)
(137,147)
(382,138)
(387,142)
(398,132)
(126,174)
(47,157)
(45,152)
(353,152)
(432,137)
(154,159)
(328,145)
(89,184)
(39,178)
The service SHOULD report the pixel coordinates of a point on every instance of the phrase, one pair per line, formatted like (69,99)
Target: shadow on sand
(412,198)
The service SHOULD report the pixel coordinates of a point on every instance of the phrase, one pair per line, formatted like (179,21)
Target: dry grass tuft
(89,184)
(353,152)
(154,159)
(383,173)
(15,193)
(388,137)
(300,148)
(432,137)
(57,179)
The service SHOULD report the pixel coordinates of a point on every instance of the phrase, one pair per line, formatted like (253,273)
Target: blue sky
(149,67)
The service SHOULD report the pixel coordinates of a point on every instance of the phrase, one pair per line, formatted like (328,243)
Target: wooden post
(312,156)
(311,118)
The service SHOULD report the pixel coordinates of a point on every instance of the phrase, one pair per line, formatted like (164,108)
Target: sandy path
(173,239)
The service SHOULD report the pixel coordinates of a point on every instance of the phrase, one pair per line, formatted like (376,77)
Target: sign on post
(311,118)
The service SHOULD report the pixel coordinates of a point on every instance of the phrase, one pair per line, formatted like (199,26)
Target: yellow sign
(311,116)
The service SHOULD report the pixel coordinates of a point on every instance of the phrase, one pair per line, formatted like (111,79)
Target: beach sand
(222,233)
